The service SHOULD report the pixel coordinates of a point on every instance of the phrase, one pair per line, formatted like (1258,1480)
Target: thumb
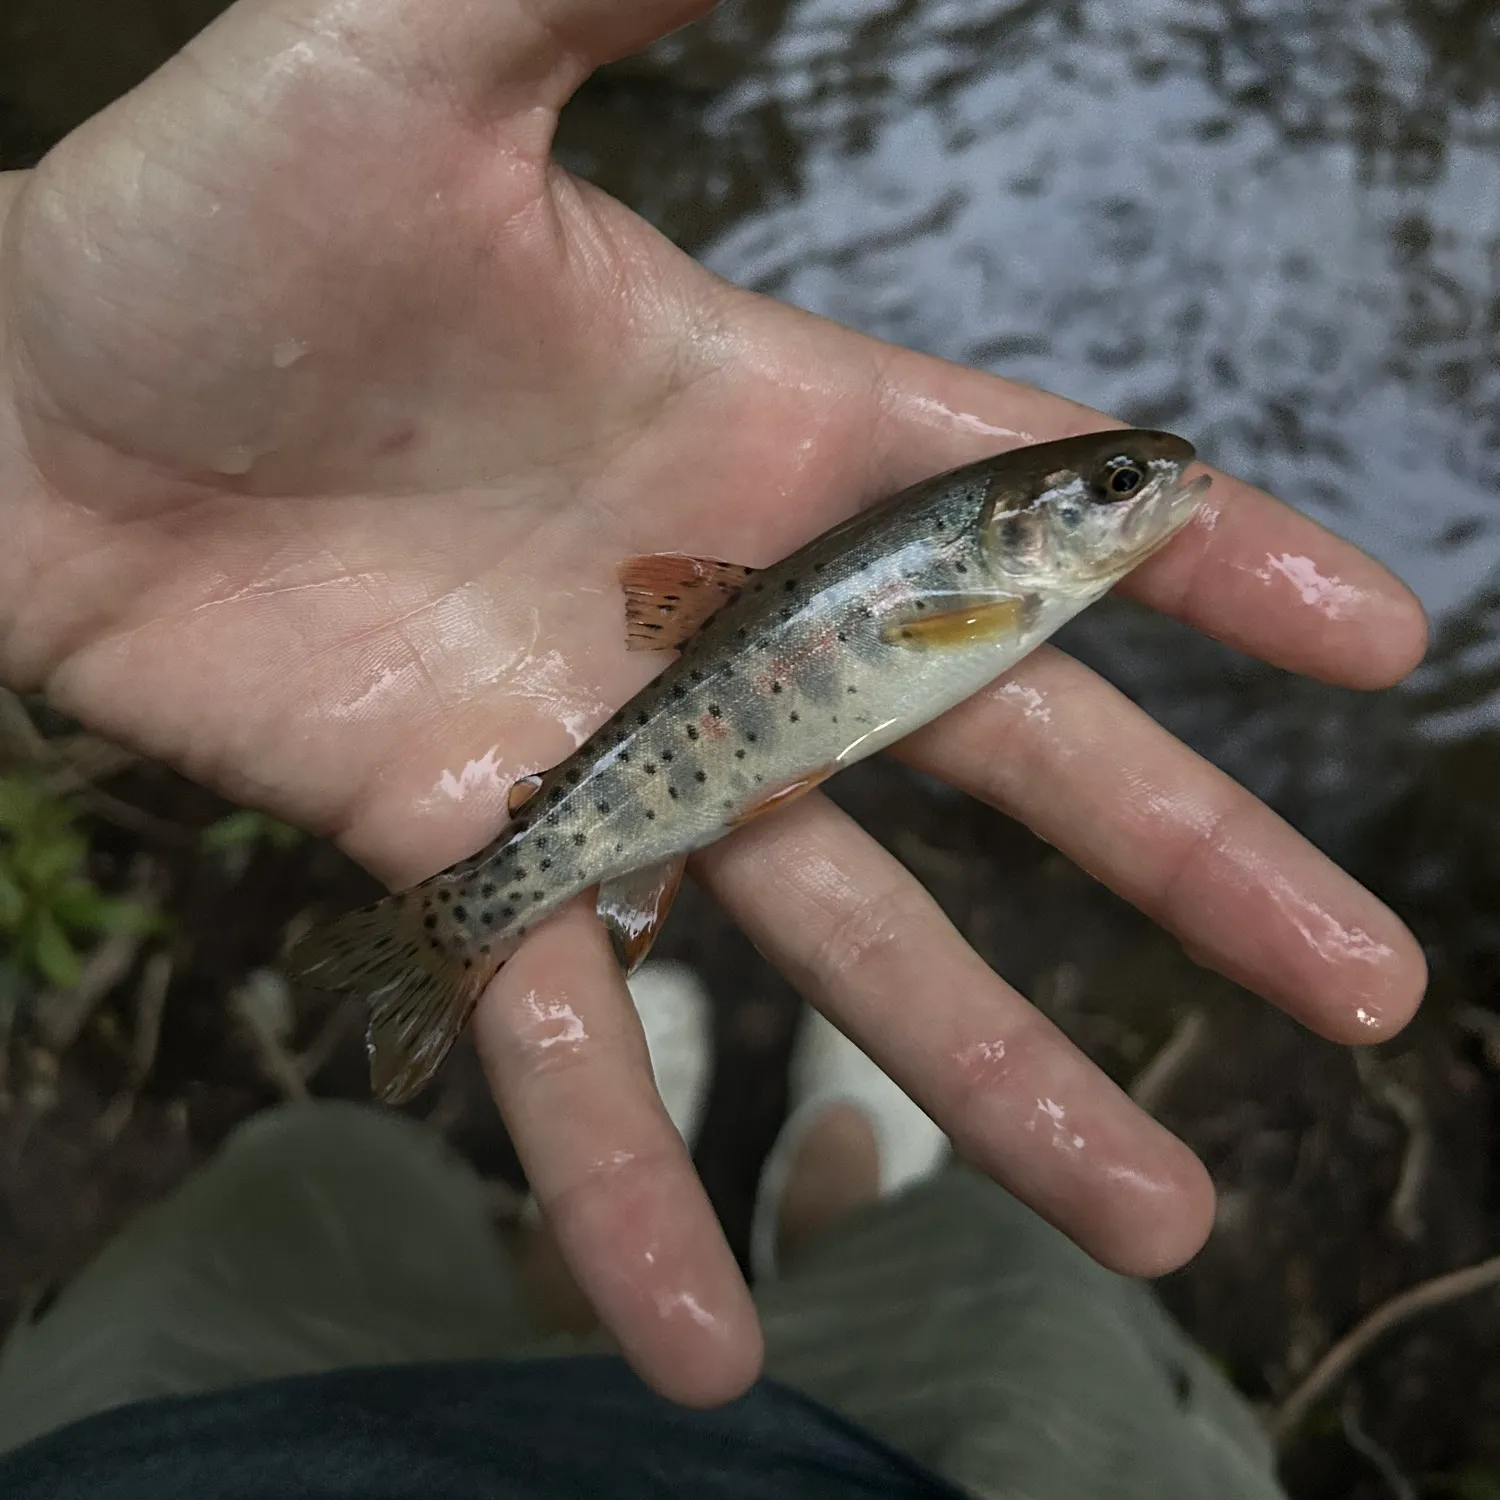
(600,31)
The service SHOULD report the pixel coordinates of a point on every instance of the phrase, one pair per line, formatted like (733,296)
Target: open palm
(328,405)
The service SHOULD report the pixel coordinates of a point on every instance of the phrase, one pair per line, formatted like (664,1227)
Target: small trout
(785,675)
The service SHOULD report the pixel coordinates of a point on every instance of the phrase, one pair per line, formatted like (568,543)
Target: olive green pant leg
(322,1235)
(959,1326)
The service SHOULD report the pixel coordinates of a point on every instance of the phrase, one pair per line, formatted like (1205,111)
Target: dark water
(1272,226)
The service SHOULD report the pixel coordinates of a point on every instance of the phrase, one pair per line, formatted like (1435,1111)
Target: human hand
(327,407)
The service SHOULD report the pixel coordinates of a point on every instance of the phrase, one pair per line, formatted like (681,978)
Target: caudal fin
(420,995)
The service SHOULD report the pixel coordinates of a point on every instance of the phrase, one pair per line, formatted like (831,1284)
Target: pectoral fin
(634,908)
(973,624)
(668,596)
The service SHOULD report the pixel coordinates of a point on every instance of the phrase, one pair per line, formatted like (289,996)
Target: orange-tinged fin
(970,625)
(420,995)
(522,790)
(668,596)
(634,908)
(779,796)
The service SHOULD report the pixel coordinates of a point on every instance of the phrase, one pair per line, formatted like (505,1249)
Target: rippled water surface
(1274,227)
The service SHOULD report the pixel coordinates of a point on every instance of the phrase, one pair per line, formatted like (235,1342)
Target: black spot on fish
(487,890)
(651,812)
(642,719)
(603,807)
(468,962)
(960,567)
(751,735)
(775,687)
(921,604)
(555,795)
(843,635)
(851,688)
(649,768)
(692,731)
(696,675)
(574,776)
(741,633)
(700,776)
(672,792)
(818,567)
(715,711)
(666,756)
(795,717)
(739,755)
(487,916)
(519,874)
(507,911)
(459,914)
(429,922)
(790,585)
(445,895)
(546,864)
(580,839)
(678,691)
(619,848)
(539,895)
(624,757)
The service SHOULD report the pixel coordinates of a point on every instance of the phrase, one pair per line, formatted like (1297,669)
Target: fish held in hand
(784,676)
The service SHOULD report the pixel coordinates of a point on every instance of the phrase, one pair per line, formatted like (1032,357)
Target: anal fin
(634,908)
(779,796)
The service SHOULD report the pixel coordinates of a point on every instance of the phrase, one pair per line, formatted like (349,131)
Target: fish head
(1076,514)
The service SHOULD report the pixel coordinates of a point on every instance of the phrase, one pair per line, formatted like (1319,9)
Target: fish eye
(1122,479)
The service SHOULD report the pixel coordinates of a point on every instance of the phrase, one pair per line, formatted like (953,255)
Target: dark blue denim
(558,1429)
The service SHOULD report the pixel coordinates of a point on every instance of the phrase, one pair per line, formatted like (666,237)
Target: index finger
(1248,570)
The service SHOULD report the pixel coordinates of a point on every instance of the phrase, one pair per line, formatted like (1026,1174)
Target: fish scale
(869,631)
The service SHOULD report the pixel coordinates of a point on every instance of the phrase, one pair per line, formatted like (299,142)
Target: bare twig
(134,819)
(61,1015)
(1406,1104)
(1335,1364)
(81,759)
(1484,1026)
(20,742)
(1371,1451)
(259,1005)
(150,1005)
(319,1052)
(1152,1083)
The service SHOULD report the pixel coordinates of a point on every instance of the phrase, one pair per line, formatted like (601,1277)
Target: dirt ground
(1343,1180)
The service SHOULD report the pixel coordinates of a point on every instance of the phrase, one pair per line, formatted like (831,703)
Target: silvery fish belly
(782,677)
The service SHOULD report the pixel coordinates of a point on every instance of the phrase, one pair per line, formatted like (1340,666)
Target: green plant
(244,829)
(48,903)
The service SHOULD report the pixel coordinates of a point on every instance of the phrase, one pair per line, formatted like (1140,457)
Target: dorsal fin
(668,596)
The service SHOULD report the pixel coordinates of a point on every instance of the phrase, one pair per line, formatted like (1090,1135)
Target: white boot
(827,1069)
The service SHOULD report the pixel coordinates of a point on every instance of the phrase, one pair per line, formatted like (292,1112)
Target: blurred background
(1272,225)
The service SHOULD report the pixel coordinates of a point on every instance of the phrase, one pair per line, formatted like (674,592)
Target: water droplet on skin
(287,353)
(238,460)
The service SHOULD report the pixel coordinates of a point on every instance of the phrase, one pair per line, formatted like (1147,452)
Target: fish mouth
(1161,519)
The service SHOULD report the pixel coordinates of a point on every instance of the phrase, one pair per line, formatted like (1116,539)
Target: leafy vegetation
(50,908)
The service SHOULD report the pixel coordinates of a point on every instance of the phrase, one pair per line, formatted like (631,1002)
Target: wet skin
(327,408)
